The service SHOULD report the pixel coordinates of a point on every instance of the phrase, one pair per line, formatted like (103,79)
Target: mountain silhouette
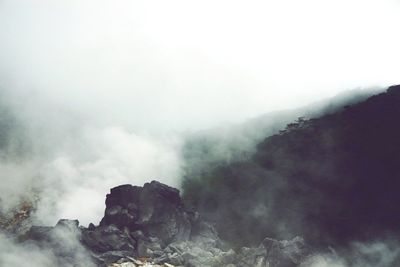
(333,179)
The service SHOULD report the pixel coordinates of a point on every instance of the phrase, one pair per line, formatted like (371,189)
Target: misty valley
(212,133)
(316,191)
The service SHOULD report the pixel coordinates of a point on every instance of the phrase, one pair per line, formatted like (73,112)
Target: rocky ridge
(333,178)
(149,226)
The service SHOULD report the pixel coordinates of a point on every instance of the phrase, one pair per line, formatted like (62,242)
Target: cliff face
(334,179)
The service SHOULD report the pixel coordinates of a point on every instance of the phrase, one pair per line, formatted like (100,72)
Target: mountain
(333,179)
(236,142)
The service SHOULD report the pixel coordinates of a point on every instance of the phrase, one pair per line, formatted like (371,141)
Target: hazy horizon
(98,93)
(180,65)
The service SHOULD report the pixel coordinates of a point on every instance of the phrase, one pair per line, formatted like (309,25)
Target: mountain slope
(236,142)
(334,180)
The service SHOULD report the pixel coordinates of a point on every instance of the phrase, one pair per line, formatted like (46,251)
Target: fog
(67,165)
(372,254)
(159,65)
(99,93)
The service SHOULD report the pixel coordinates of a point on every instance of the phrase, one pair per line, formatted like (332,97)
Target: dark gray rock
(205,233)
(64,241)
(91,227)
(149,248)
(160,228)
(109,257)
(107,238)
(151,222)
(38,233)
(275,253)
(155,209)
(68,224)
(46,233)
(121,206)
(189,253)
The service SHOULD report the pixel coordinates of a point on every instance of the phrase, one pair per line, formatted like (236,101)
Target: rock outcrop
(154,209)
(149,226)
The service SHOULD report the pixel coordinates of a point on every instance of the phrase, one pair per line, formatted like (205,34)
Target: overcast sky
(193,64)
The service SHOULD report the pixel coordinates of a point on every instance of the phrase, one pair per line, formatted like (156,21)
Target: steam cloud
(68,167)
(29,254)
(374,254)
(93,93)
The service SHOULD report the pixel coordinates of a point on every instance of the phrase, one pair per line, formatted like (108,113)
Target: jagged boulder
(155,209)
(151,223)
(47,233)
(271,253)
(38,233)
(196,254)
(204,233)
(154,217)
(64,241)
(108,238)
(122,206)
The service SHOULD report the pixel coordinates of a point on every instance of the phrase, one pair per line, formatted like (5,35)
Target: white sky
(193,64)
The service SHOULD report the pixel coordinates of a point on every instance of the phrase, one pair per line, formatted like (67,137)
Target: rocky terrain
(331,179)
(150,226)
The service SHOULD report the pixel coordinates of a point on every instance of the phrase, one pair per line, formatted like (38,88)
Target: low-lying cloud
(94,94)
(373,254)
(66,166)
